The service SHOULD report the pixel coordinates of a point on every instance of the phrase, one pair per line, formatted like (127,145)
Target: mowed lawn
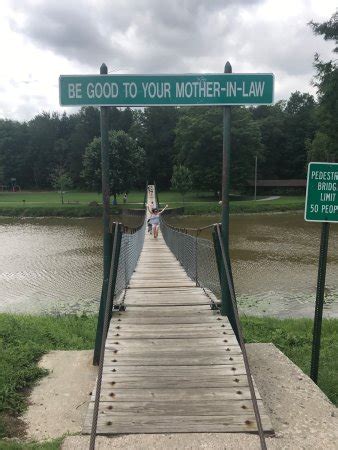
(195,202)
(49,198)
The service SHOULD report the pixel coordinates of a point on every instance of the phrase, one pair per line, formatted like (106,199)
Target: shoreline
(90,212)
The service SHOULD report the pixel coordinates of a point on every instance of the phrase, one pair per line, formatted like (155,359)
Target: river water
(275,262)
(54,265)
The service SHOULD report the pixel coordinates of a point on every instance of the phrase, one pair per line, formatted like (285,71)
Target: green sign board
(166,90)
(321,203)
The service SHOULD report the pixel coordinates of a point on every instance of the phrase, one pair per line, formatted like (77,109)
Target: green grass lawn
(53,198)
(77,203)
(50,445)
(294,338)
(24,339)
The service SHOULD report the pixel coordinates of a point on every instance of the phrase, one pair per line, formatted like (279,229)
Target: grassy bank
(248,206)
(294,338)
(55,444)
(79,204)
(24,339)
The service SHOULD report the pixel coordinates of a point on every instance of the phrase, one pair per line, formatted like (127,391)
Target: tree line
(148,143)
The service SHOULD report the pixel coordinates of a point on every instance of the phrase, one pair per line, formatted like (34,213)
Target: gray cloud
(144,35)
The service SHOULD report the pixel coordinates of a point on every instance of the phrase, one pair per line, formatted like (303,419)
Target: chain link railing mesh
(131,246)
(196,255)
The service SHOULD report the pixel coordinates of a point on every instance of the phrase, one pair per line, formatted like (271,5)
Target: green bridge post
(107,240)
(226,300)
(317,325)
(226,305)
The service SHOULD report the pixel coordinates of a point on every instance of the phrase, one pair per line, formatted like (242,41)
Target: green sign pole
(106,234)
(321,205)
(226,301)
(317,326)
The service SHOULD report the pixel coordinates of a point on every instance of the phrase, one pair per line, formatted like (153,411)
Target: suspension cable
(184,229)
(241,342)
(108,308)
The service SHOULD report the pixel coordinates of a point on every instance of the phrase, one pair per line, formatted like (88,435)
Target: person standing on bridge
(155,219)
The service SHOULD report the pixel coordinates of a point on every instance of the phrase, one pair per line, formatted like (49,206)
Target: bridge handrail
(239,334)
(126,249)
(180,243)
(195,254)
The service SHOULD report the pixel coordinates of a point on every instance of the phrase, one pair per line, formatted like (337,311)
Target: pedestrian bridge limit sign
(166,90)
(321,203)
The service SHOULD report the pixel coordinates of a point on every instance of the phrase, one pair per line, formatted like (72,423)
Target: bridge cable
(241,342)
(103,342)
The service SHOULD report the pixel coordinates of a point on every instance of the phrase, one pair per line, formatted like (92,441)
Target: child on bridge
(155,218)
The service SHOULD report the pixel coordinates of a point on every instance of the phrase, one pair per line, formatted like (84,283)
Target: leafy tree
(321,148)
(271,122)
(61,181)
(1,173)
(199,140)
(198,145)
(328,29)
(181,180)
(245,145)
(126,163)
(300,126)
(156,135)
(14,152)
(326,81)
(43,132)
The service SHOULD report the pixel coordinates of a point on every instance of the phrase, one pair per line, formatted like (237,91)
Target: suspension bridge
(170,362)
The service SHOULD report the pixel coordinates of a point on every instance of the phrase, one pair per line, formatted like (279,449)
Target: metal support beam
(317,326)
(106,209)
(225,309)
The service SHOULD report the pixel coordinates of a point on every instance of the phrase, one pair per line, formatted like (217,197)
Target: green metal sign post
(321,205)
(107,239)
(166,90)
(226,308)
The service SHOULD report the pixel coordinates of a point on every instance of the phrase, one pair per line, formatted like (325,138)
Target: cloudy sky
(41,39)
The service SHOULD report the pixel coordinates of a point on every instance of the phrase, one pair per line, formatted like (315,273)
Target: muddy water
(275,260)
(54,265)
(50,265)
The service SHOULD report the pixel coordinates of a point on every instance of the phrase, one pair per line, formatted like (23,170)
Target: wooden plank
(175,395)
(115,409)
(141,303)
(167,311)
(175,370)
(164,293)
(167,320)
(217,326)
(155,284)
(122,381)
(178,424)
(172,353)
(148,360)
(174,334)
(158,301)
(207,344)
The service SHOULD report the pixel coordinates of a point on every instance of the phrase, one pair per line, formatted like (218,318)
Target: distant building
(279,186)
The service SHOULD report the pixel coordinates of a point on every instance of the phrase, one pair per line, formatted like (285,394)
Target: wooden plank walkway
(171,363)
